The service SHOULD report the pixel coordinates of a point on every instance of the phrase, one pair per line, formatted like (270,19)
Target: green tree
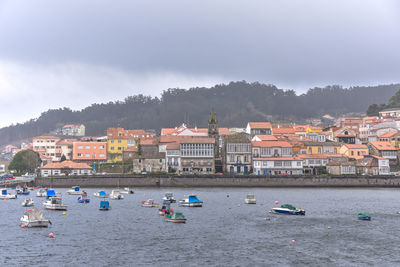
(394,101)
(373,110)
(63,158)
(25,161)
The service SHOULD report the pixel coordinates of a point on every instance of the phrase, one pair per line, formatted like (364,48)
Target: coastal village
(342,146)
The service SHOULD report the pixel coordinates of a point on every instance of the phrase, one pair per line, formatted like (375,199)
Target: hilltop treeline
(235,103)
(394,102)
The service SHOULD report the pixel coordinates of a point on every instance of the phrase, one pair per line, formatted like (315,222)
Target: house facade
(197,155)
(73,130)
(278,166)
(354,151)
(259,128)
(46,145)
(237,154)
(90,151)
(65,168)
(266,149)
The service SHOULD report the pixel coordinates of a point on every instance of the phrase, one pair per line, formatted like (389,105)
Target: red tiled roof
(173,146)
(274,158)
(66,164)
(149,142)
(127,134)
(388,134)
(197,140)
(260,125)
(270,144)
(66,142)
(265,137)
(46,137)
(71,125)
(283,131)
(382,145)
(355,146)
(319,156)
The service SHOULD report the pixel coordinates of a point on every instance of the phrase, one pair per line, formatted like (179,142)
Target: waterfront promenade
(219,181)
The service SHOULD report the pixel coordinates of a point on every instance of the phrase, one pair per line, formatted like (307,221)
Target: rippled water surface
(221,233)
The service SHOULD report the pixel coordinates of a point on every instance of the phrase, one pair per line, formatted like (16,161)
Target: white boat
(75,190)
(115,194)
(127,190)
(149,203)
(169,197)
(27,203)
(250,199)
(54,203)
(288,209)
(6,195)
(34,218)
(190,201)
(101,193)
(41,193)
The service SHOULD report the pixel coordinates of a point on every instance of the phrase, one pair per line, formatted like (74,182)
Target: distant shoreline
(219,181)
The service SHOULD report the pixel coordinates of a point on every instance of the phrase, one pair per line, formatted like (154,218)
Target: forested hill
(235,104)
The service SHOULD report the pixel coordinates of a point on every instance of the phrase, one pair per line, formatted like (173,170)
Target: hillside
(235,103)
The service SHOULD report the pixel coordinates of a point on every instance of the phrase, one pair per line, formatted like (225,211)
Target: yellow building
(314,148)
(354,151)
(119,139)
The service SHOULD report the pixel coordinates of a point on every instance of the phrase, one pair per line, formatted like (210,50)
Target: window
(287,163)
(277,163)
(112,148)
(112,141)
(119,141)
(87,155)
(101,147)
(79,154)
(87,147)
(119,148)
(101,155)
(299,163)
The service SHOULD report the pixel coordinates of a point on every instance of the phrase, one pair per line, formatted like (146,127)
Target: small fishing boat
(250,199)
(41,192)
(288,209)
(27,203)
(54,203)
(6,195)
(191,201)
(364,216)
(22,190)
(101,193)
(149,203)
(75,190)
(115,194)
(83,198)
(170,197)
(104,205)
(165,208)
(34,218)
(127,190)
(177,217)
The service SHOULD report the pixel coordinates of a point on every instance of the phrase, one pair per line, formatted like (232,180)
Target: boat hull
(250,201)
(55,207)
(364,218)
(287,211)
(191,204)
(84,201)
(8,196)
(175,220)
(44,223)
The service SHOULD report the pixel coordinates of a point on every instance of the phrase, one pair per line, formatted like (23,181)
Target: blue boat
(364,216)
(50,193)
(190,201)
(104,205)
(83,200)
(288,209)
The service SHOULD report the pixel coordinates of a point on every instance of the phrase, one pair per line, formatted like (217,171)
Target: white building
(278,166)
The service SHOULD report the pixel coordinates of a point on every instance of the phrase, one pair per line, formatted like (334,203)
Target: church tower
(212,125)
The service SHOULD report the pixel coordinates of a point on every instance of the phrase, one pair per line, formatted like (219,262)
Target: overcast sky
(74,53)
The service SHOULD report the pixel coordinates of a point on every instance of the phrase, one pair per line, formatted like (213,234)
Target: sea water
(224,232)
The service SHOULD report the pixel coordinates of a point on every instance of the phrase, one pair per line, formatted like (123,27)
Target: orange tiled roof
(282,158)
(388,134)
(173,146)
(260,125)
(121,133)
(319,156)
(198,140)
(46,137)
(355,146)
(270,144)
(66,164)
(382,145)
(266,137)
(149,142)
(283,131)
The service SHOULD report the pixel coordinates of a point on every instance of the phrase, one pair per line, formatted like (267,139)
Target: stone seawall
(165,181)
